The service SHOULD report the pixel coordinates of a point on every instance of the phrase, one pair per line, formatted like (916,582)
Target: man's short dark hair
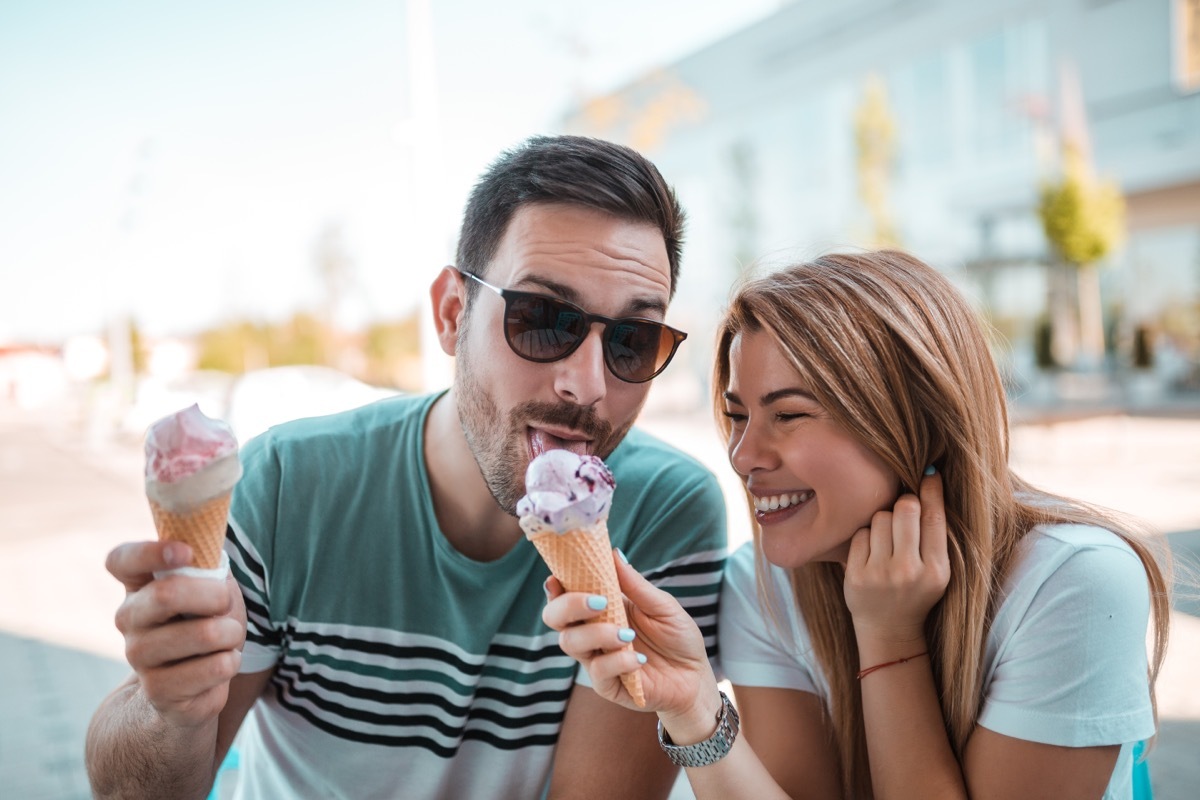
(573,170)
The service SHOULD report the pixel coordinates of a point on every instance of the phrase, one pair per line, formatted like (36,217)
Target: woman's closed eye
(792,416)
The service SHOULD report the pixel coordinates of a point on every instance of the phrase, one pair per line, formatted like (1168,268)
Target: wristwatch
(712,749)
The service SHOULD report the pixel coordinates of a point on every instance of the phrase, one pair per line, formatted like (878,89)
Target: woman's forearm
(909,751)
(739,774)
(736,776)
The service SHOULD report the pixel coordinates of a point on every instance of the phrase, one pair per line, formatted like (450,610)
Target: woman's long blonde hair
(898,358)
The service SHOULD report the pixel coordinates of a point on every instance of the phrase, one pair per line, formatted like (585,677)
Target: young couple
(912,620)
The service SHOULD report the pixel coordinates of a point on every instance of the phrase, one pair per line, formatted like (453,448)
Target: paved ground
(66,499)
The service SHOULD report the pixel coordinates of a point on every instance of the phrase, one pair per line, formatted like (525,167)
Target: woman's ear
(448,296)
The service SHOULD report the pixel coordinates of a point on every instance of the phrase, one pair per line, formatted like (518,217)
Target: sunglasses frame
(509,295)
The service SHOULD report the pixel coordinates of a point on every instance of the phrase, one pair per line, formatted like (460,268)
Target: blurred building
(757,132)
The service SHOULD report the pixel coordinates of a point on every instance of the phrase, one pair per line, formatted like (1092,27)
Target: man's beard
(499,442)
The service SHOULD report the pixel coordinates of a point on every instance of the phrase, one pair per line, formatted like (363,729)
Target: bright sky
(178,162)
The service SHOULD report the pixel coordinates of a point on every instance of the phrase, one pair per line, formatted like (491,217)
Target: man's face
(512,409)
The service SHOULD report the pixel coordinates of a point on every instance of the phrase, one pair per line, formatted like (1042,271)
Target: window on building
(1006,71)
(924,120)
(932,145)
(995,131)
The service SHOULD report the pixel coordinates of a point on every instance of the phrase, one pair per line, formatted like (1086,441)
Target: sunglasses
(541,328)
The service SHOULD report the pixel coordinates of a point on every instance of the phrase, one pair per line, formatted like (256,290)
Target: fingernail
(641,658)
(626,634)
(621,555)
(931,470)
(597,602)
(173,554)
(546,588)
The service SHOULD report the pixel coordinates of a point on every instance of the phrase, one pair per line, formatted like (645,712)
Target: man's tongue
(540,441)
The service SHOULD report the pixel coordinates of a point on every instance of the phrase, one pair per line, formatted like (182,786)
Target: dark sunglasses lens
(638,350)
(544,329)
(541,328)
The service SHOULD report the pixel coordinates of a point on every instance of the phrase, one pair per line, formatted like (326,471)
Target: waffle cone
(202,527)
(583,562)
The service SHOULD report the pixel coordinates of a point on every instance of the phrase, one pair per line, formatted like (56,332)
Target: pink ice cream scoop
(185,443)
(191,467)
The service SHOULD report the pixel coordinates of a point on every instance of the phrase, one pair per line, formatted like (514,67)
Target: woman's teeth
(778,501)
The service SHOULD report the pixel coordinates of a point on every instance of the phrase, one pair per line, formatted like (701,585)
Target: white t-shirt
(1066,657)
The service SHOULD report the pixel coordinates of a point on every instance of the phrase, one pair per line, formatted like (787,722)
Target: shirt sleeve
(1073,672)
(757,648)
(250,545)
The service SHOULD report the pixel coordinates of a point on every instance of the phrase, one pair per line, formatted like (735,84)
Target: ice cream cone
(201,526)
(582,560)
(191,468)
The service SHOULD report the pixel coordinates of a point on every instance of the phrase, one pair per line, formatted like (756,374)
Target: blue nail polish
(641,658)
(931,470)
(621,555)
(626,634)
(597,602)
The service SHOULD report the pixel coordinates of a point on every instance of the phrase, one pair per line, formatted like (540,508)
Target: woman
(912,619)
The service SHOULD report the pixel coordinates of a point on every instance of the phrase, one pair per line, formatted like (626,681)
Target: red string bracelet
(862,673)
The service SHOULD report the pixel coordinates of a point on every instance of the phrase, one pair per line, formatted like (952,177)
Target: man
(383,637)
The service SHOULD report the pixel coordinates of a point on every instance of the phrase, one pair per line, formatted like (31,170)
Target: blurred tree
(335,268)
(670,104)
(236,347)
(875,140)
(1084,220)
(300,340)
(393,353)
(644,114)
(120,360)
(137,348)
(244,346)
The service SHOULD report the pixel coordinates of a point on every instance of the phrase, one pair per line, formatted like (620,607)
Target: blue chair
(1141,774)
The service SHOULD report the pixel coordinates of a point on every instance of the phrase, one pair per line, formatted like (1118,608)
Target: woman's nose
(751,450)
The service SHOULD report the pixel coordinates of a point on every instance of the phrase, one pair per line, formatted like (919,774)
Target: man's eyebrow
(636,306)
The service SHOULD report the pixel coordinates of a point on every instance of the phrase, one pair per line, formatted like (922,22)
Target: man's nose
(582,376)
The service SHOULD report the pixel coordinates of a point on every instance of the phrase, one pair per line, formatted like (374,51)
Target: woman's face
(813,484)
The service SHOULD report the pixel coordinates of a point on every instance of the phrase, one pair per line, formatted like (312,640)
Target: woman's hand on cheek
(898,568)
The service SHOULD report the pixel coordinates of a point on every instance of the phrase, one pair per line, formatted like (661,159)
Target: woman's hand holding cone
(676,673)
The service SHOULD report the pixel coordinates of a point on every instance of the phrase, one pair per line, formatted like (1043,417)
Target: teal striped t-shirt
(402,667)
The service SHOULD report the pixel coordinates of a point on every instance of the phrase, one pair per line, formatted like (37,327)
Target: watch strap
(712,749)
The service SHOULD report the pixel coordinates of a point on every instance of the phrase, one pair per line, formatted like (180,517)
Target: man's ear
(449,304)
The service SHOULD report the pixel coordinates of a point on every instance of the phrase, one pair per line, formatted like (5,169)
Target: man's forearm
(132,752)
